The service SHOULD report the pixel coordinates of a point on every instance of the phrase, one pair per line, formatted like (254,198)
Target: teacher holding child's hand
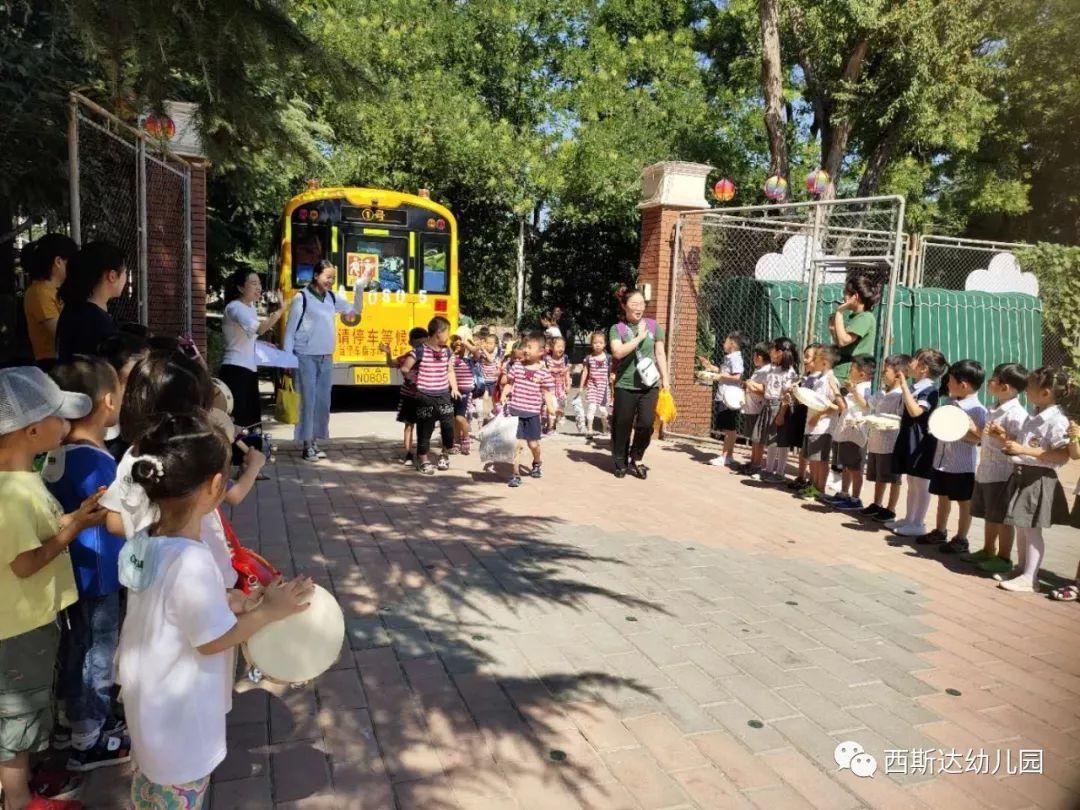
(637,346)
(311,334)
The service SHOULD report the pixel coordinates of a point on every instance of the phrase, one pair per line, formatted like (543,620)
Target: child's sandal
(1066,593)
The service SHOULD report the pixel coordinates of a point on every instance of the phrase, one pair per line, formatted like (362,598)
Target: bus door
(433,279)
(387,311)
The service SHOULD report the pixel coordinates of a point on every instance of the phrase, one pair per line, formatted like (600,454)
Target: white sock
(918,500)
(1033,540)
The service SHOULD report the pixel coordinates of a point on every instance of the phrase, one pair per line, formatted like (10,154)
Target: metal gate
(772,270)
(127,189)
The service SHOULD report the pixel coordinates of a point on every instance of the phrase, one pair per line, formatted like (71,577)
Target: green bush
(1058,269)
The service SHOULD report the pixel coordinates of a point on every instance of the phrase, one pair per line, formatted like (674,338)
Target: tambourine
(732,396)
(301,647)
(879,421)
(810,398)
(949,423)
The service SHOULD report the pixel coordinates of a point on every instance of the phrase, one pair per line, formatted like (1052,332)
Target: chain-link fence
(991,277)
(127,189)
(774,270)
(778,270)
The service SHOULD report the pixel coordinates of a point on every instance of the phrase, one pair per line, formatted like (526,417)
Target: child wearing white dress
(173,662)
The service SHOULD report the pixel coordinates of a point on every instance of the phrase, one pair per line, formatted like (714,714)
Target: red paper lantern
(724,190)
(817,181)
(159,126)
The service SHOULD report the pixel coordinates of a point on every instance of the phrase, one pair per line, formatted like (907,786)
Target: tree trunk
(834,137)
(520,309)
(879,159)
(772,86)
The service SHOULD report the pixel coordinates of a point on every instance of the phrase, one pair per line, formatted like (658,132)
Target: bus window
(435,271)
(309,248)
(386,257)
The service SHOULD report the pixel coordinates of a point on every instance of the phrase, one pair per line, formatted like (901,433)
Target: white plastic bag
(579,406)
(498,440)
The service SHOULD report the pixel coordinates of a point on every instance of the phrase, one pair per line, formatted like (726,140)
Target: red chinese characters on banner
(363,344)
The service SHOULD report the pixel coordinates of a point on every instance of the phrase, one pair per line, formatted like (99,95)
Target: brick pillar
(670,189)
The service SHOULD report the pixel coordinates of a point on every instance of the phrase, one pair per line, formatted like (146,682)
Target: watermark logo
(850,755)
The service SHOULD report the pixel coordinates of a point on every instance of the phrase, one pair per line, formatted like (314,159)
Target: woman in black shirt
(97,275)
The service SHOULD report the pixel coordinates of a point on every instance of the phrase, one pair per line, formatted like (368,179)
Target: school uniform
(851,438)
(818,437)
(955,462)
(753,405)
(725,418)
(776,382)
(526,399)
(881,442)
(915,446)
(1035,496)
(989,501)
(793,431)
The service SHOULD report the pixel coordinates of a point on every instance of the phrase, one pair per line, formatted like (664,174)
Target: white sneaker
(895,525)
(719,461)
(911,530)
(1020,584)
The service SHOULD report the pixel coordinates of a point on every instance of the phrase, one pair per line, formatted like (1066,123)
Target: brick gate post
(668,190)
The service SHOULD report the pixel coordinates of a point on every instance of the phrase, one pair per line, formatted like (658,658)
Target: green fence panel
(992,328)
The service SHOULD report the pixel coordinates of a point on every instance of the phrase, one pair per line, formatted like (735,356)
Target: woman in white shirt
(241,327)
(311,334)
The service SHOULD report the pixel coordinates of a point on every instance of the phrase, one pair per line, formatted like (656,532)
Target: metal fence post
(140,179)
(188,261)
(676,257)
(894,275)
(812,279)
(73,168)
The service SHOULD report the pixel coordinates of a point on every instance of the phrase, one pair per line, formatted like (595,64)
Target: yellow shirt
(29,515)
(41,304)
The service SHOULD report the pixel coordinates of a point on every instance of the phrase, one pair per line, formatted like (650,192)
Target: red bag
(253,570)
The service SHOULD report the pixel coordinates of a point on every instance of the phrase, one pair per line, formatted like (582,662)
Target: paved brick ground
(584,642)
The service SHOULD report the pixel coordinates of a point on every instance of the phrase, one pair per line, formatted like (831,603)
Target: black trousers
(429,411)
(635,412)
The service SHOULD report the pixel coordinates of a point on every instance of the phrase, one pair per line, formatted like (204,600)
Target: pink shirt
(527,395)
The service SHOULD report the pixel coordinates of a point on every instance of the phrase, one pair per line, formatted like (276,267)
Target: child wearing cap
(35,572)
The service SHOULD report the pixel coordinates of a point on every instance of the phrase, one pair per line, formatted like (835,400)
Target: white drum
(301,647)
(882,421)
(223,398)
(949,423)
(732,396)
(810,398)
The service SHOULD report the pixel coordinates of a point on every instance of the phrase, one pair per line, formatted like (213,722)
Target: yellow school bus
(407,240)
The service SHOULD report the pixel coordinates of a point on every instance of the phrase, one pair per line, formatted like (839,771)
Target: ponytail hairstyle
(177,454)
(163,382)
(934,361)
(88,267)
(1057,380)
(437,324)
(761,350)
(235,282)
(623,294)
(786,348)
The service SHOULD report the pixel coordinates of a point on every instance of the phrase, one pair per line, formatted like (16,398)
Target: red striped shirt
(433,376)
(490,367)
(463,373)
(526,397)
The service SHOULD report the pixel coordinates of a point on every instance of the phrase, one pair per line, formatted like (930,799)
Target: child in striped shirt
(558,365)
(436,389)
(463,372)
(489,365)
(406,413)
(596,384)
(527,387)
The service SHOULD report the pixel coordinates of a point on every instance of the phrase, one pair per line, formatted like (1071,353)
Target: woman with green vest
(854,324)
(637,348)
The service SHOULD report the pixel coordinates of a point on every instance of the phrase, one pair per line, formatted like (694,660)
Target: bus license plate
(371,376)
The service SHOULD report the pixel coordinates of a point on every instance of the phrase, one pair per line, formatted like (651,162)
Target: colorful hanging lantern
(159,126)
(817,181)
(776,187)
(724,190)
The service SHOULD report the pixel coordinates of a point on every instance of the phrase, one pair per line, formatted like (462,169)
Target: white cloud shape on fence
(1002,275)
(791,263)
